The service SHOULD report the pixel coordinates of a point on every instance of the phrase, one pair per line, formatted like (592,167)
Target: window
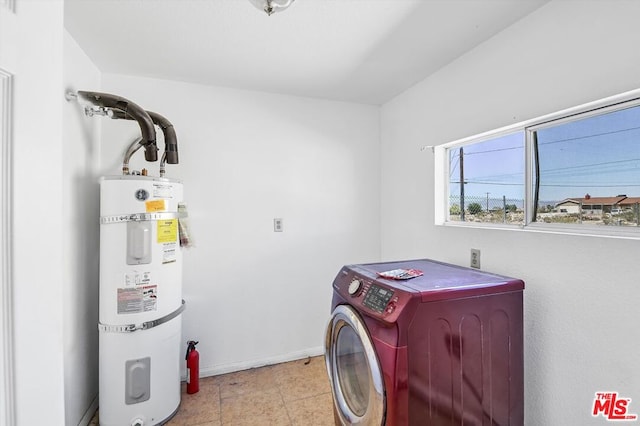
(591,161)
(486,180)
(578,169)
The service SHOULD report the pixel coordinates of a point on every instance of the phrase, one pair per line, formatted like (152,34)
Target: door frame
(7,372)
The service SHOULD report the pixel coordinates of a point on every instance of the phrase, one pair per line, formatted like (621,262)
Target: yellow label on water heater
(155,206)
(167,230)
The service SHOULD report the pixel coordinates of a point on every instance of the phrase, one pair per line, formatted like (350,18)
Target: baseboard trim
(91,411)
(261,362)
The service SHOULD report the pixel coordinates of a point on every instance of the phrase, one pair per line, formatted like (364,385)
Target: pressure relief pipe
(135,112)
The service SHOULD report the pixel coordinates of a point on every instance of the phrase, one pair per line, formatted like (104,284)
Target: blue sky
(599,155)
(495,166)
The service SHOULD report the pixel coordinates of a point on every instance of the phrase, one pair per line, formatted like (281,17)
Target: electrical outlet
(475,258)
(277,225)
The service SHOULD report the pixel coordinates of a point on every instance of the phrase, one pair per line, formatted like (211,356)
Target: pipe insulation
(170,138)
(130,109)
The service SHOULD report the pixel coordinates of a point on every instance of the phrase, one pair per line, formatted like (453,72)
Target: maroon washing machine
(443,348)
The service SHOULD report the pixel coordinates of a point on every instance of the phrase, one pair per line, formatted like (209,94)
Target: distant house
(629,203)
(568,206)
(595,205)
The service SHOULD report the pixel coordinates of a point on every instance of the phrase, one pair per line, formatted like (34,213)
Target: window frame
(529,127)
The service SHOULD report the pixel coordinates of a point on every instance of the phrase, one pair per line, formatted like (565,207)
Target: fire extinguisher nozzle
(191,346)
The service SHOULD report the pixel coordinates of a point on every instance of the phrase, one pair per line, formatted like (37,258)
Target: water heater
(140,300)
(140,275)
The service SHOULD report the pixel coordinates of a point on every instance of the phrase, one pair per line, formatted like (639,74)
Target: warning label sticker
(162,190)
(138,299)
(134,278)
(153,206)
(169,252)
(168,231)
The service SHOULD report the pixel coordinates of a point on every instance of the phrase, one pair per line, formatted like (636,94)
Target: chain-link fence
(486,209)
(511,211)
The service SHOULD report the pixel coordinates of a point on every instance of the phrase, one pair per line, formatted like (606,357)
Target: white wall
(255,296)
(248,157)
(31,48)
(581,315)
(81,249)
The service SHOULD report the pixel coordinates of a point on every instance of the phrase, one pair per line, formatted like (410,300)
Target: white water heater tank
(140,300)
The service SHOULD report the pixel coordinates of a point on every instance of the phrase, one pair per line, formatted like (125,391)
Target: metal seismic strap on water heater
(130,328)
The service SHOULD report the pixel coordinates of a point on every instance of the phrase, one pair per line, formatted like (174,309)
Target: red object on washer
(449,345)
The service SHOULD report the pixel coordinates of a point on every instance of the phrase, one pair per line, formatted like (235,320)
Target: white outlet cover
(475,258)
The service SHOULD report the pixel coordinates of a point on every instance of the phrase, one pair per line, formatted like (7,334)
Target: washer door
(354,371)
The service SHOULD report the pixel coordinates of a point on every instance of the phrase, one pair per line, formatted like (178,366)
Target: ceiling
(364,51)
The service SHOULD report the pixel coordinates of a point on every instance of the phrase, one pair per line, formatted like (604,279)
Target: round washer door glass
(353,370)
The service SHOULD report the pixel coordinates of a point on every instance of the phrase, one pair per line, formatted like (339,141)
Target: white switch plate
(277,225)
(475,258)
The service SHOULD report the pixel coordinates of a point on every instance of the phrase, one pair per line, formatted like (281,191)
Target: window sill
(627,233)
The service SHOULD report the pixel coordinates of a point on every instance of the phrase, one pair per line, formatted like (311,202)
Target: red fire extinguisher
(193,367)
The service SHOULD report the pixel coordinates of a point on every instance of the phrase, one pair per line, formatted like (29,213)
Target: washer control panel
(377,298)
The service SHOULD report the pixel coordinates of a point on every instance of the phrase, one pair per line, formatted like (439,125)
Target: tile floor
(293,393)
